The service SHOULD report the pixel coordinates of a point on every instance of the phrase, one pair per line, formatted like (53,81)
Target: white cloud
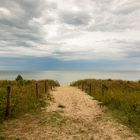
(4,12)
(70,29)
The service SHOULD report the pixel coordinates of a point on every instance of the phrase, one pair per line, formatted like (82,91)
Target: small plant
(19,78)
(53,119)
(20,81)
(2,138)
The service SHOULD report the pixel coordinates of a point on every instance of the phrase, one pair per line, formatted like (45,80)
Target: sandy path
(73,115)
(82,108)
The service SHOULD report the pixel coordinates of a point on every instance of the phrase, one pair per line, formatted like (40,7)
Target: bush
(19,78)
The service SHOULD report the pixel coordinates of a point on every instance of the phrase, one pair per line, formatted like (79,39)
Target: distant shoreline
(66,77)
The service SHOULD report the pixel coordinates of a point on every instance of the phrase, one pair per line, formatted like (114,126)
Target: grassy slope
(23,96)
(121,97)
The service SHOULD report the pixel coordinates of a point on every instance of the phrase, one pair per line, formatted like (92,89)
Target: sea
(69,76)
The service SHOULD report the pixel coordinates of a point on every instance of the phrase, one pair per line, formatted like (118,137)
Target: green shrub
(19,78)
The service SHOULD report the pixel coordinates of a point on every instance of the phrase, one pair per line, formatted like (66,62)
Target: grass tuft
(53,119)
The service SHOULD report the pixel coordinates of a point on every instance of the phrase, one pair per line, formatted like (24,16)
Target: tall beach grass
(121,97)
(23,96)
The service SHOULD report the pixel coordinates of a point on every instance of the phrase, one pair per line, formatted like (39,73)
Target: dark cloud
(49,63)
(16,29)
(75,18)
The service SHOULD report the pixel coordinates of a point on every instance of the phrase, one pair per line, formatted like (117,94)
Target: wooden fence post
(8,110)
(90,88)
(46,87)
(51,86)
(36,89)
(79,86)
(104,88)
(82,86)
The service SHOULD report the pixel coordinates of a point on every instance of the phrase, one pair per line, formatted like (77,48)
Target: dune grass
(23,96)
(121,97)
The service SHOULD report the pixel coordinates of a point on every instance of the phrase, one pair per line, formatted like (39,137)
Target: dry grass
(23,96)
(121,97)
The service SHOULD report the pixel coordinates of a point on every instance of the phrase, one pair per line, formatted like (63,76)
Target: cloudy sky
(70,34)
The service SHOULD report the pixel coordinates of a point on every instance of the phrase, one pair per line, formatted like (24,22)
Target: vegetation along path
(72,115)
